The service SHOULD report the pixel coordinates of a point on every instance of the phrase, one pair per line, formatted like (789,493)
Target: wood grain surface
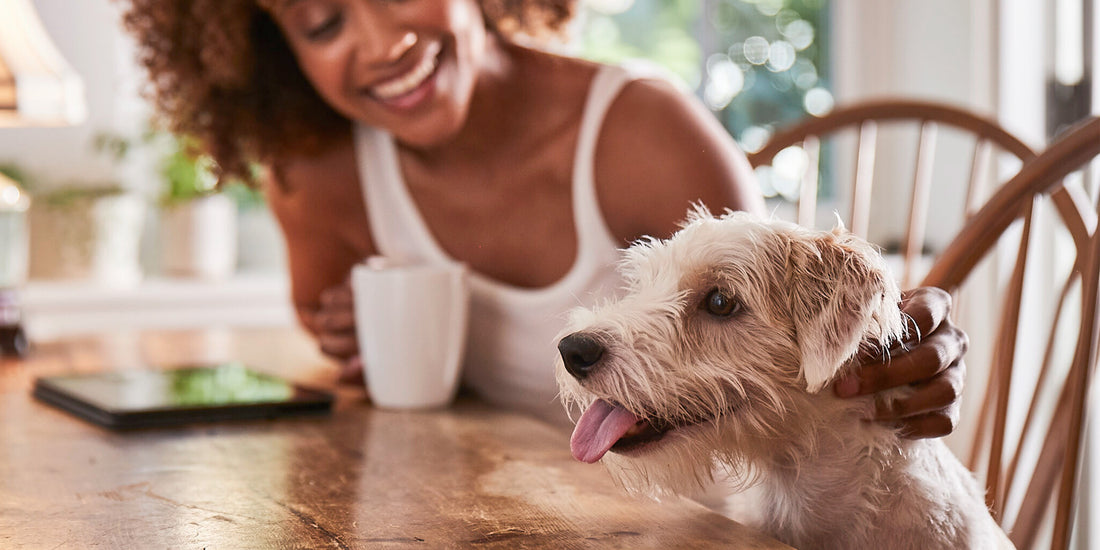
(469,476)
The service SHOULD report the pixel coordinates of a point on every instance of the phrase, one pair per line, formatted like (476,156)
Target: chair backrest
(1043,224)
(906,126)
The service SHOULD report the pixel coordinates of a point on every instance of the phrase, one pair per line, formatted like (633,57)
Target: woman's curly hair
(220,71)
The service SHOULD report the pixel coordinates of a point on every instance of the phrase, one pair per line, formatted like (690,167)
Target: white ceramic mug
(411,324)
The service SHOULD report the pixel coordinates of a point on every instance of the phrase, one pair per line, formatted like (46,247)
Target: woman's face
(406,66)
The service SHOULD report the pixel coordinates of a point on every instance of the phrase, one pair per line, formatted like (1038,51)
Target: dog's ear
(839,291)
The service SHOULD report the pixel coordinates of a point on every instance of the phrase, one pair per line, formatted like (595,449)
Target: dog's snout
(580,352)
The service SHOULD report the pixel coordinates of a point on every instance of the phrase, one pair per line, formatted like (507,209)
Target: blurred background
(125,231)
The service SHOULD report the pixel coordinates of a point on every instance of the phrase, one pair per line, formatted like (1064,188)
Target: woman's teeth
(410,80)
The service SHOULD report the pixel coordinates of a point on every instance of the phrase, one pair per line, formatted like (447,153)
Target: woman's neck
(497,107)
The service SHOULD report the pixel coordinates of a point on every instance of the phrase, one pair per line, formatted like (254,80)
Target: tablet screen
(151,397)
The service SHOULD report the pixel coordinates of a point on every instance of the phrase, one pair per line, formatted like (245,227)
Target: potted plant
(82,229)
(86,230)
(198,223)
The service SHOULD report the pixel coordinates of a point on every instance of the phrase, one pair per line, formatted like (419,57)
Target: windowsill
(53,309)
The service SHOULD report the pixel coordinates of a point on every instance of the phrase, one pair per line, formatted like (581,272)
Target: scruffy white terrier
(716,358)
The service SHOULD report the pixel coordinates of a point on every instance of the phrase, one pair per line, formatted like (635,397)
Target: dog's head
(722,328)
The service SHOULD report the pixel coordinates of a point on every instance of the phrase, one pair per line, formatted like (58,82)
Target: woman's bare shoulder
(315,178)
(320,194)
(562,66)
(554,80)
(660,150)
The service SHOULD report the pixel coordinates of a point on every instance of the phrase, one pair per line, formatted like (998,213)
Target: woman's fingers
(933,424)
(351,371)
(339,296)
(938,352)
(340,345)
(924,311)
(926,307)
(929,361)
(335,320)
(335,323)
(938,394)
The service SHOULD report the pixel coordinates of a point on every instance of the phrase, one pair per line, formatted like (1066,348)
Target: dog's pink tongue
(598,429)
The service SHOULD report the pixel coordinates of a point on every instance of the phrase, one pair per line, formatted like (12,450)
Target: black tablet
(142,398)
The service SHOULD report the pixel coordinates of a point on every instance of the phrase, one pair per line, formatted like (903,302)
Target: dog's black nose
(580,352)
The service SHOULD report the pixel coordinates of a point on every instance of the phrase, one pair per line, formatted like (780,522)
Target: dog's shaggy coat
(716,358)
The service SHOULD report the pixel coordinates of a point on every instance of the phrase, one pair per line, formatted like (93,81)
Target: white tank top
(511,347)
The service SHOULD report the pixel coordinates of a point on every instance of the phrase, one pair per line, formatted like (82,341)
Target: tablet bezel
(305,401)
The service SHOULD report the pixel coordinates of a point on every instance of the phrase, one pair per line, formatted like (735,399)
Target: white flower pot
(199,238)
(88,238)
(260,242)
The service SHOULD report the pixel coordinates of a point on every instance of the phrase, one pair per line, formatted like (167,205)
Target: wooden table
(467,477)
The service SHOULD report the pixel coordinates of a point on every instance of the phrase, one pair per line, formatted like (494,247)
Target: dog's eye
(721,304)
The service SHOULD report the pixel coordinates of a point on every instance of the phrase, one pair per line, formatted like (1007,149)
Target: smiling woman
(423,131)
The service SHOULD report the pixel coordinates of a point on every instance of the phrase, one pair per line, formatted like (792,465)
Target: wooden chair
(1037,396)
(907,121)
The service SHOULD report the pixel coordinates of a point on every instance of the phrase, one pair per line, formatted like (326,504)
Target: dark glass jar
(13,339)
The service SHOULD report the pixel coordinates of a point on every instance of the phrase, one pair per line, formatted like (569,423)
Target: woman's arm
(318,204)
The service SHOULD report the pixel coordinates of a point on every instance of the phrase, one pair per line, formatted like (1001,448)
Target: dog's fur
(746,390)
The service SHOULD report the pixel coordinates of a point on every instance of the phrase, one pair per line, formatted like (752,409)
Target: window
(756,63)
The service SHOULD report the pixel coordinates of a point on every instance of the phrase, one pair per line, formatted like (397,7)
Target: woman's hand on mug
(334,324)
(930,361)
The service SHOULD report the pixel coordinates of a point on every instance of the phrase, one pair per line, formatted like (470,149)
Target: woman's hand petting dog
(930,361)
(334,324)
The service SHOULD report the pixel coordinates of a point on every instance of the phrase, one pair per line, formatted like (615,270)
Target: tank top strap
(594,234)
(398,229)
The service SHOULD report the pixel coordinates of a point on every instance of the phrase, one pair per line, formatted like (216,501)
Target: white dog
(716,358)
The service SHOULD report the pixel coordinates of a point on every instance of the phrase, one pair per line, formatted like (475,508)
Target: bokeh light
(800,32)
(784,18)
(804,74)
(769,7)
(781,56)
(818,101)
(754,138)
(11,195)
(602,33)
(756,49)
(609,7)
(764,178)
(789,164)
(724,81)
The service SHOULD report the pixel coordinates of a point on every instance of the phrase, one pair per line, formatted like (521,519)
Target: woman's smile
(410,89)
(409,68)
